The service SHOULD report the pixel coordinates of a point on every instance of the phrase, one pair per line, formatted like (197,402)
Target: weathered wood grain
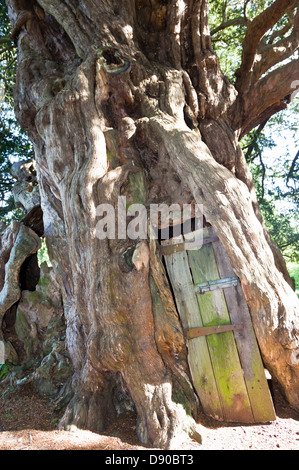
(198,353)
(254,375)
(222,348)
(226,368)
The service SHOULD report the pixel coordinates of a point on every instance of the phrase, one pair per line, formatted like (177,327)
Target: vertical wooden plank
(255,379)
(222,347)
(198,354)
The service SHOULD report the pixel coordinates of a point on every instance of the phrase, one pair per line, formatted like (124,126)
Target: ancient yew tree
(127,98)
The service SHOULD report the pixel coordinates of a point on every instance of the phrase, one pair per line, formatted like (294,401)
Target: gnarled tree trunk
(128,99)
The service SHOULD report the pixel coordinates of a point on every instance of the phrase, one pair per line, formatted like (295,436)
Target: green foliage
(4,371)
(227,42)
(14,144)
(228,20)
(284,229)
(43,255)
(285,170)
(274,166)
(271,149)
(7,55)
(293,269)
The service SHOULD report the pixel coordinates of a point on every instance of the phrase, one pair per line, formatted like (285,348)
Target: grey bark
(117,93)
(26,242)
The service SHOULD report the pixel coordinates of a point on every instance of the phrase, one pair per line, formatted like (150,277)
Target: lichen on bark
(164,130)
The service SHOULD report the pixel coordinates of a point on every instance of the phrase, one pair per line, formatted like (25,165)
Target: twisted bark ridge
(128,99)
(18,242)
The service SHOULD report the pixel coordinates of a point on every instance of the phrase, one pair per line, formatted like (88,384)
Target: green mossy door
(226,368)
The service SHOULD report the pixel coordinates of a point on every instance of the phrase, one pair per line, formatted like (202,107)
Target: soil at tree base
(29,422)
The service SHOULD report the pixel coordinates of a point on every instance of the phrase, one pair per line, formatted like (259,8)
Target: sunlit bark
(152,111)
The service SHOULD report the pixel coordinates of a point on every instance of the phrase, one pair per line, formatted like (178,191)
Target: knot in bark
(112,61)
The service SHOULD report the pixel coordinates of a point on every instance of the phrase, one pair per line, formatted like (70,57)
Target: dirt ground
(29,422)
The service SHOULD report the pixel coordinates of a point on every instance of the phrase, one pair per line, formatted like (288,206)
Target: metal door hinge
(217,284)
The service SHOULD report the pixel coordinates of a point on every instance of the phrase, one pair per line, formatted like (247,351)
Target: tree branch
(277,53)
(292,169)
(281,32)
(240,21)
(264,116)
(253,143)
(271,55)
(255,31)
(7,49)
(263,175)
(269,95)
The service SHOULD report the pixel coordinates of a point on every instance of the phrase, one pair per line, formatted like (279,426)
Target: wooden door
(223,354)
